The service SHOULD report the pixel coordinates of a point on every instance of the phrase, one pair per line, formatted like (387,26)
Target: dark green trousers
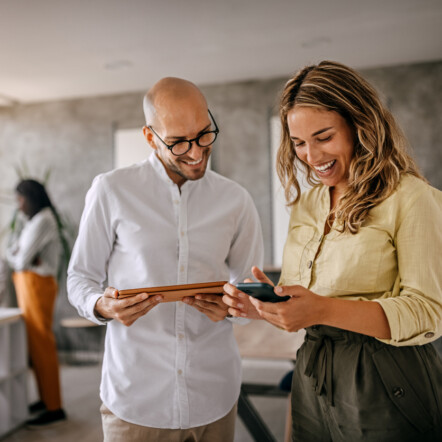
(350,387)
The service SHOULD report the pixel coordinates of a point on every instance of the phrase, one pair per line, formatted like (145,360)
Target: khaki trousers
(36,298)
(117,430)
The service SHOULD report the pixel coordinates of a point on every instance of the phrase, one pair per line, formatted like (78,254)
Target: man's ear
(148,134)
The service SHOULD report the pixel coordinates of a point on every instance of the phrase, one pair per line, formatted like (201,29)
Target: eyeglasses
(183,146)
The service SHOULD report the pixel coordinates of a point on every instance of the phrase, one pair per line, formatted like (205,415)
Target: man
(171,371)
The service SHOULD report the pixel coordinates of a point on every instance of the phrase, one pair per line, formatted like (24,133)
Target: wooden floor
(81,401)
(266,355)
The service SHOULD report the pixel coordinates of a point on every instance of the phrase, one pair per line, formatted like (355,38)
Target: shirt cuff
(91,311)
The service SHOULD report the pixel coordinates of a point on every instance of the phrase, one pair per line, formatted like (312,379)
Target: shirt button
(182,233)
(180,372)
(309,264)
(182,269)
(429,334)
(398,392)
(180,336)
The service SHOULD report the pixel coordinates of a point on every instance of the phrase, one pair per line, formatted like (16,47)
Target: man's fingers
(137,299)
(110,292)
(214,299)
(130,319)
(209,305)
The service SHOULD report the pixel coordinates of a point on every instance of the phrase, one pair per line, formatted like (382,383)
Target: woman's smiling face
(325,142)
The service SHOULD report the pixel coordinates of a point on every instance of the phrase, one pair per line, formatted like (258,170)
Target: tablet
(173,293)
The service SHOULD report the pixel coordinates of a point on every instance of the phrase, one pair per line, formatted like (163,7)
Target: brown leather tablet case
(173,293)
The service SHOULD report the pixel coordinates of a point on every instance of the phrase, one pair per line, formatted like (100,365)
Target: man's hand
(239,302)
(126,310)
(211,305)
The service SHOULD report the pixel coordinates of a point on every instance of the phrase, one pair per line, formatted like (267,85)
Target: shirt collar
(161,171)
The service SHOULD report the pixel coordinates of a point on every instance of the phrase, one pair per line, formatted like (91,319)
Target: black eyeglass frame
(171,146)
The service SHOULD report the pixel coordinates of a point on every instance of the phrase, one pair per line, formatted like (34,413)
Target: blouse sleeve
(36,234)
(414,308)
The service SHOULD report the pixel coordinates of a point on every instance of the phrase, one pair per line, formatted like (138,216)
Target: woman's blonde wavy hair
(380,153)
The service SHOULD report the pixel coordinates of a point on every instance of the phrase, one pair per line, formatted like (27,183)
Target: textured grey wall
(74,138)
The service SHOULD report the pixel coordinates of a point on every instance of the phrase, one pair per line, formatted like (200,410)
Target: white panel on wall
(130,147)
(280,212)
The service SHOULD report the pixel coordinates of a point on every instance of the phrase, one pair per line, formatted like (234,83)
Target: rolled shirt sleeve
(414,307)
(394,259)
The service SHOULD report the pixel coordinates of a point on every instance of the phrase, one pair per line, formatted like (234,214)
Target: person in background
(172,370)
(34,255)
(361,265)
(4,279)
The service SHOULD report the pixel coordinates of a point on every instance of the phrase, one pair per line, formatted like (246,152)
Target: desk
(259,339)
(13,370)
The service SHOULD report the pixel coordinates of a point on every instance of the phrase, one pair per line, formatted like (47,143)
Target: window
(280,212)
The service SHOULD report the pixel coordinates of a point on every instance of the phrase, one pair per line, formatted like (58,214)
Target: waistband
(320,360)
(338,335)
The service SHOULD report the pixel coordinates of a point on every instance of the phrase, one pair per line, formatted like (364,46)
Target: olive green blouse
(395,258)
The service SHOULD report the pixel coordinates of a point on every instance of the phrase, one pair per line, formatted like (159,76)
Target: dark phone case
(262,291)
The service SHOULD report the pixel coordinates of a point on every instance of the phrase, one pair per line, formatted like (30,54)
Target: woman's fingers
(261,276)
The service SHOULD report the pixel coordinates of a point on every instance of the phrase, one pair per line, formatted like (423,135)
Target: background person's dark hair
(35,195)
(37,199)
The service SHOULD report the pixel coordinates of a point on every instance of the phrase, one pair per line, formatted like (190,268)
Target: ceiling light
(117,65)
(315,42)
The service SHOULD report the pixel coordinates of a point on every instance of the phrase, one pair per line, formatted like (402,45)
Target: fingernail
(239,305)
(244,315)
(279,290)
(241,295)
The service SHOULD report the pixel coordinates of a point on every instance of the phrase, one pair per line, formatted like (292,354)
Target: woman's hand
(304,309)
(238,302)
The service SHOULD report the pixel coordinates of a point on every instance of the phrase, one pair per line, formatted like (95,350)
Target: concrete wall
(74,139)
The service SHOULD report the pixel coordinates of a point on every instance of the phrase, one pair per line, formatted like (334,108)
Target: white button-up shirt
(174,367)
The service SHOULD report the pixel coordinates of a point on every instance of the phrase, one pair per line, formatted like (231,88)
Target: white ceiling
(53,49)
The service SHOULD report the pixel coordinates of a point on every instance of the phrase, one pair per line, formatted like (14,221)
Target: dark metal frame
(171,146)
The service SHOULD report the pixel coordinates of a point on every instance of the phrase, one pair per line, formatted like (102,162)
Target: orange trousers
(36,298)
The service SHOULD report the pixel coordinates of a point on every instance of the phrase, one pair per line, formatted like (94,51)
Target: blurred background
(73,75)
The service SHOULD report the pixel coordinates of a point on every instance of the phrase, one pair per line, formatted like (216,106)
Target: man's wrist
(98,315)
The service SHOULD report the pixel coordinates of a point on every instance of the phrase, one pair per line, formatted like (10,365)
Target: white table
(13,370)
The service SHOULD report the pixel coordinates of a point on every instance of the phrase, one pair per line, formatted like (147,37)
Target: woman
(34,255)
(361,264)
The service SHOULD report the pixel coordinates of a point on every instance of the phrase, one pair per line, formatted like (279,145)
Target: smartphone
(262,291)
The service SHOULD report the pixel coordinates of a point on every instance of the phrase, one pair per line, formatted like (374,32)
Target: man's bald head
(167,91)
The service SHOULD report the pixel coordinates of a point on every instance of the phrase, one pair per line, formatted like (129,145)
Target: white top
(174,367)
(38,239)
